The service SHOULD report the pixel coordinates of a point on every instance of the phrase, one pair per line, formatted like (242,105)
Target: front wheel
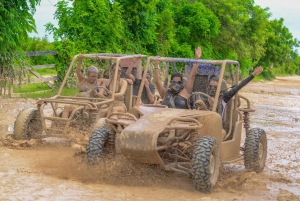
(206,164)
(96,144)
(101,123)
(255,153)
(28,125)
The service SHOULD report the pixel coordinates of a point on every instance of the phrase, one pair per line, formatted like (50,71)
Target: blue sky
(287,9)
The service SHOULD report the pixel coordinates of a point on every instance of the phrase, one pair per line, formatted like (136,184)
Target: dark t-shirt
(144,97)
(178,101)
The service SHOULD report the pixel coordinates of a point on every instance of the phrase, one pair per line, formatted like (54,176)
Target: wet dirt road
(51,172)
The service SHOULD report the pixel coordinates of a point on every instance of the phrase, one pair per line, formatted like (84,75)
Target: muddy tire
(101,123)
(255,153)
(206,164)
(95,145)
(28,125)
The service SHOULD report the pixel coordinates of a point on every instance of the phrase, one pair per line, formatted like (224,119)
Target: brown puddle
(5,130)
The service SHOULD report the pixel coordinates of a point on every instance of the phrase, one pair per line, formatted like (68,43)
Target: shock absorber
(93,117)
(112,139)
(246,119)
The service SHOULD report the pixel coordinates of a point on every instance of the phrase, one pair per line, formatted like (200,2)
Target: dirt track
(58,173)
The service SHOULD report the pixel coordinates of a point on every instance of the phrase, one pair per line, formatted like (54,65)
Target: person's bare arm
(129,75)
(191,78)
(160,88)
(149,93)
(129,81)
(78,70)
(123,84)
(102,83)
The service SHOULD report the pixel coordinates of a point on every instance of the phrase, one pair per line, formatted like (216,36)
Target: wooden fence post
(39,77)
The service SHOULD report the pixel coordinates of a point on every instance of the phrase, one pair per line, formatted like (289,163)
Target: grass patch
(33,87)
(47,71)
(44,72)
(49,93)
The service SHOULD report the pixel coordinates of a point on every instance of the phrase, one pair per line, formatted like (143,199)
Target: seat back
(200,83)
(128,97)
(226,119)
(230,116)
(137,67)
(203,73)
(134,72)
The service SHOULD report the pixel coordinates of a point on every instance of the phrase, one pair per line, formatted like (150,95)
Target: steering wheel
(99,95)
(196,102)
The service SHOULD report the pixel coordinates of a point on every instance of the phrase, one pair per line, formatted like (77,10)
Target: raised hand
(198,52)
(257,71)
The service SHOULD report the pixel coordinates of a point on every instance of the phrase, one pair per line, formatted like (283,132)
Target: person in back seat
(226,95)
(121,86)
(177,94)
(148,94)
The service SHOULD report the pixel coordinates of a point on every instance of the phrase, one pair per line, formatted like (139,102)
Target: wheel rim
(34,128)
(212,164)
(261,152)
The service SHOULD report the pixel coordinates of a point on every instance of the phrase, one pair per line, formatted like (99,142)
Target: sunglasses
(177,82)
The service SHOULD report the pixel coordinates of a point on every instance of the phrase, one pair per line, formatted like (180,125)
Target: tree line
(235,29)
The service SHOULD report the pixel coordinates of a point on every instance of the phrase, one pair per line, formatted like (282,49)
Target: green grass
(49,93)
(44,72)
(41,90)
(33,87)
(47,71)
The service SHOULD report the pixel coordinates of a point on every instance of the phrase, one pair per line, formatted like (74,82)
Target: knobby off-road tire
(101,123)
(206,164)
(95,145)
(28,125)
(255,153)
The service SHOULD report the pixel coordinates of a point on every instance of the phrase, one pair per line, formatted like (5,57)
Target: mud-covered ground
(44,171)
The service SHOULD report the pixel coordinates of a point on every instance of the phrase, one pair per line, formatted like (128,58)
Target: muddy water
(53,172)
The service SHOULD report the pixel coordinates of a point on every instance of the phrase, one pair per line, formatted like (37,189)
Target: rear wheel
(28,125)
(96,144)
(206,164)
(255,153)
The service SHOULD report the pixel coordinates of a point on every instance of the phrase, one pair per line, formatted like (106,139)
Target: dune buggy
(41,122)
(192,141)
